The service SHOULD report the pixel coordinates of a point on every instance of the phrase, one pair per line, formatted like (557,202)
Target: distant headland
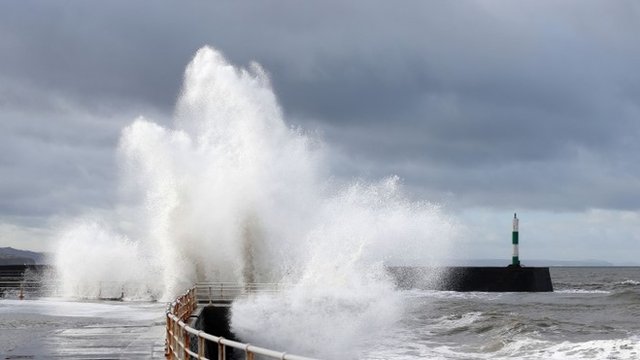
(11,256)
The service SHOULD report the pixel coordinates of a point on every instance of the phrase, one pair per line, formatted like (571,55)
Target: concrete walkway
(54,329)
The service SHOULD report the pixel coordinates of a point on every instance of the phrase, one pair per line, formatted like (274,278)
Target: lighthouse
(515,259)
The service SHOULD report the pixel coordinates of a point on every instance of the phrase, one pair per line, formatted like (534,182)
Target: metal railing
(21,288)
(31,288)
(214,292)
(22,281)
(179,334)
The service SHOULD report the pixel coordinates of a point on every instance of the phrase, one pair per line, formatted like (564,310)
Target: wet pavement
(56,329)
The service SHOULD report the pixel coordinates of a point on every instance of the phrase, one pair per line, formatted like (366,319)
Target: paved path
(54,329)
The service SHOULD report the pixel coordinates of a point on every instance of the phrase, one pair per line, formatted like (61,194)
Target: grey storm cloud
(477,103)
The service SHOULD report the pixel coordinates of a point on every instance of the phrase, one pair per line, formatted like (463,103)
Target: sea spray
(325,318)
(342,296)
(201,193)
(108,266)
(232,193)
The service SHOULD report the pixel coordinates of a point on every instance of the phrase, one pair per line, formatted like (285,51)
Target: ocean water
(594,313)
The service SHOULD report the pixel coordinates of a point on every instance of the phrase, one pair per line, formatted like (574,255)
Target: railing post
(209,294)
(175,354)
(185,341)
(248,354)
(175,339)
(201,345)
(167,340)
(179,340)
(221,349)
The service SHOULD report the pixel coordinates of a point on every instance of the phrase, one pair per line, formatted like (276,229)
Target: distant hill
(11,256)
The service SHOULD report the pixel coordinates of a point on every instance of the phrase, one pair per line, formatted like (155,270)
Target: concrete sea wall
(489,279)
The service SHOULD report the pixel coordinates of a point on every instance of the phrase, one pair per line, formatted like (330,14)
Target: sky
(484,107)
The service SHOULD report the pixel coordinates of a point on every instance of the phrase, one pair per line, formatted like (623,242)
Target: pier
(486,279)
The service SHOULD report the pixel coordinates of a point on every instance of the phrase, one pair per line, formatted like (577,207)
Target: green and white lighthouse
(515,259)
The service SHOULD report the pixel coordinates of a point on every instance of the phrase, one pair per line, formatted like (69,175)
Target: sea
(594,313)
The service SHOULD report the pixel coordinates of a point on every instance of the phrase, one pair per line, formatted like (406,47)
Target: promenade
(57,329)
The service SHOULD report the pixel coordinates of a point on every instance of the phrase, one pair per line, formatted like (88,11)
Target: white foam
(439,294)
(518,348)
(320,321)
(625,348)
(628,282)
(581,291)
(453,321)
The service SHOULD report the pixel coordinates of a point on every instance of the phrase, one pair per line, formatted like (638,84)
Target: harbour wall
(213,319)
(491,279)
(488,279)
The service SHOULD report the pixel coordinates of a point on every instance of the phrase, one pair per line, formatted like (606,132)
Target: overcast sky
(486,107)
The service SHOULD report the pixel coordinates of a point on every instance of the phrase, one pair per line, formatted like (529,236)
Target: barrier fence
(31,288)
(179,334)
(214,292)
(20,288)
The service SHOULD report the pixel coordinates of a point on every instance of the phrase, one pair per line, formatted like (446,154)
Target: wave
(440,294)
(582,291)
(626,295)
(626,348)
(522,348)
(628,282)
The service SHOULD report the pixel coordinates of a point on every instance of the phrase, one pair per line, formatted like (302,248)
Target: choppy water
(593,314)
